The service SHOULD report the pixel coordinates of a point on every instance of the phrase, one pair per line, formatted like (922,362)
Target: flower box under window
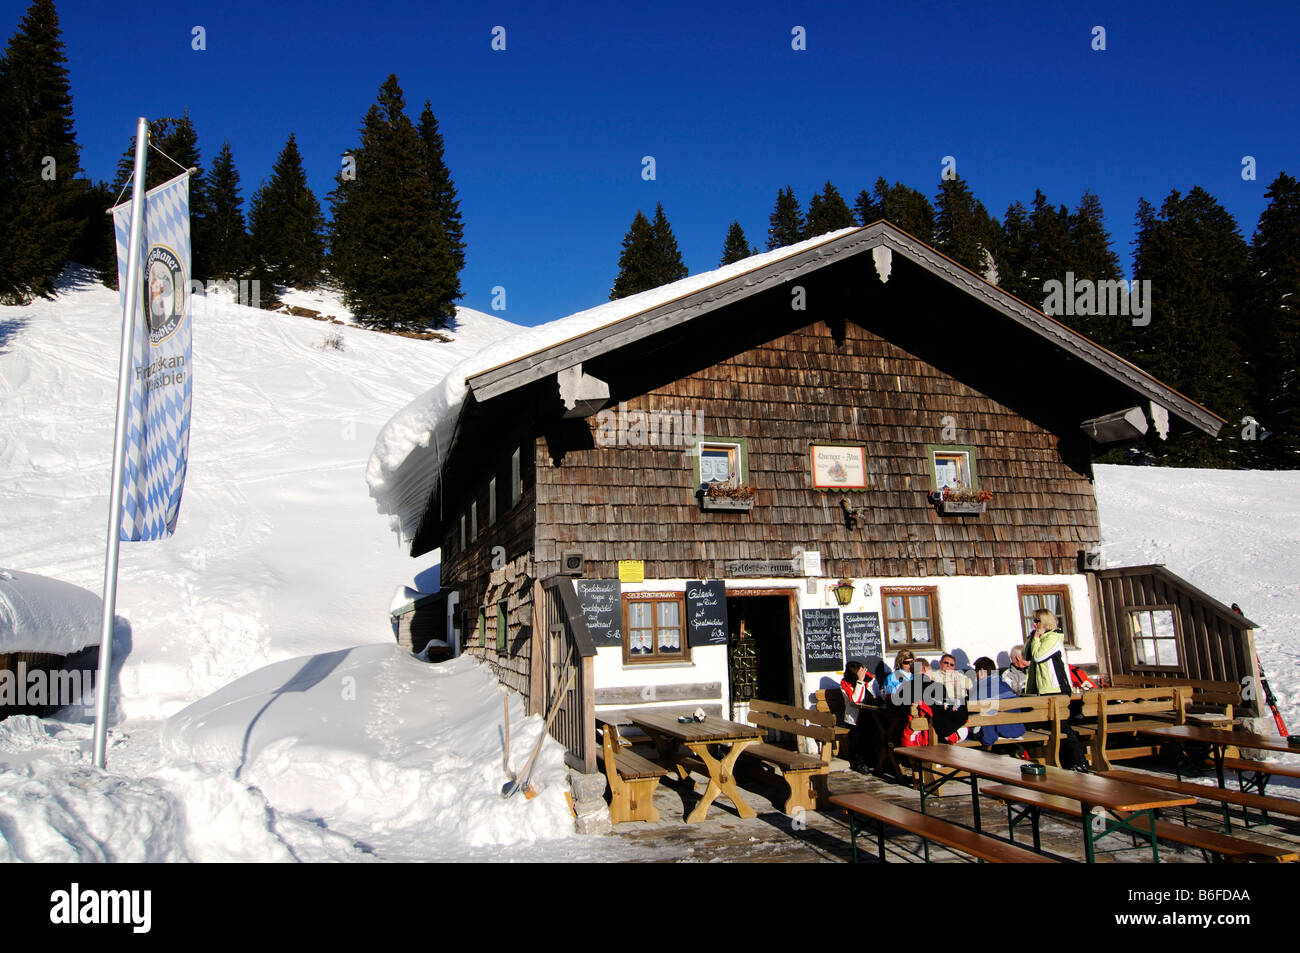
(961,507)
(726,496)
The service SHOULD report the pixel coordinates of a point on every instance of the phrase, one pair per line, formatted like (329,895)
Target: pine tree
(229,251)
(389,249)
(1197,262)
(668,259)
(785,225)
(827,212)
(906,208)
(1274,353)
(444,189)
(1013,256)
(963,229)
(174,147)
(1049,248)
(38,148)
(736,247)
(637,260)
(1091,258)
(866,208)
(286,226)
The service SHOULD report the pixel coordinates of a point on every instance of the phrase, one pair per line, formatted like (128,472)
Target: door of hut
(759,658)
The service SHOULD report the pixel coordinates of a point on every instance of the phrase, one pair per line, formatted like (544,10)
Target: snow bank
(382,745)
(410,450)
(40,614)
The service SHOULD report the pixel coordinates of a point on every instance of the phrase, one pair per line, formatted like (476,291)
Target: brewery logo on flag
(165,288)
(158,415)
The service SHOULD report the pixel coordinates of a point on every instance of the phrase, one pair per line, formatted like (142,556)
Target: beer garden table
(1089,790)
(699,737)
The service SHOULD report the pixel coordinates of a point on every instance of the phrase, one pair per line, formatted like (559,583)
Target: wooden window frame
(1065,618)
(516,477)
(1180,667)
(492,501)
(932,594)
(933,450)
(462,532)
(473,521)
(739,444)
(683,655)
(503,616)
(482,626)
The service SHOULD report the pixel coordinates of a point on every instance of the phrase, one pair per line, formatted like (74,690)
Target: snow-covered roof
(40,614)
(410,450)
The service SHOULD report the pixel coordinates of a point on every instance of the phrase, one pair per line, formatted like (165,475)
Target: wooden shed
(1158,624)
(728,487)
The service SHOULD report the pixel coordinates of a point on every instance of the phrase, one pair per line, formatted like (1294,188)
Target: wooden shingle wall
(629,502)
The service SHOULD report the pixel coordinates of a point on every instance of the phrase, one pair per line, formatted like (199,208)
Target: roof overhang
(881,239)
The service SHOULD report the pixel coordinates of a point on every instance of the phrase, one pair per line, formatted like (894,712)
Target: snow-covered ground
(265,712)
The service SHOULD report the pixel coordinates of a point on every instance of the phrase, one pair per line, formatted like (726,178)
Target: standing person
(1048,673)
(854,686)
(1017,673)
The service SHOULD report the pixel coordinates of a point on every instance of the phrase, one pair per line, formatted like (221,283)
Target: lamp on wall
(843,591)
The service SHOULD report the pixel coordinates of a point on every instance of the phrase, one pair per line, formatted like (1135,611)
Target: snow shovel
(514,787)
(505,757)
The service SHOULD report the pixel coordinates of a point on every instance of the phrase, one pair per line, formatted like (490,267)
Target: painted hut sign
(706,612)
(839,468)
(823,640)
(862,638)
(600,603)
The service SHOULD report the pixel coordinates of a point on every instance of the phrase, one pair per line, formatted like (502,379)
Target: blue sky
(545,140)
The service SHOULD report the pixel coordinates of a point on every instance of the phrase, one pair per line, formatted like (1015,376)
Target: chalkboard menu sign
(602,608)
(823,642)
(862,636)
(706,612)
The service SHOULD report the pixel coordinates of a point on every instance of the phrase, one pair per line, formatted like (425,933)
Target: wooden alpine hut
(727,487)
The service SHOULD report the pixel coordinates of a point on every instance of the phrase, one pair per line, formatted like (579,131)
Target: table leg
(666,752)
(975,799)
(1087,832)
(722,779)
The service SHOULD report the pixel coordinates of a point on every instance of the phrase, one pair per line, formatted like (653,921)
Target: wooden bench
(1040,714)
(885,813)
(1212,842)
(1262,771)
(632,778)
(1124,712)
(1208,702)
(806,774)
(1263,803)
(832,700)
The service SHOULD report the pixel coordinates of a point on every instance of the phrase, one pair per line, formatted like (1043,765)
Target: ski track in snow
(281,564)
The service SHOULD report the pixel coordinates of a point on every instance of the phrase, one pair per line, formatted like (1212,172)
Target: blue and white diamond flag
(158,419)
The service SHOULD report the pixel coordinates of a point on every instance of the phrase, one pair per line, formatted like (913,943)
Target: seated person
(902,671)
(957,685)
(989,685)
(1017,673)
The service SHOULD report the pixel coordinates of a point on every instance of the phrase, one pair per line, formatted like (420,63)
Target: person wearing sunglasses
(904,662)
(956,685)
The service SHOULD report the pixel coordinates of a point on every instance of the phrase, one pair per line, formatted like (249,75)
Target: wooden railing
(568,644)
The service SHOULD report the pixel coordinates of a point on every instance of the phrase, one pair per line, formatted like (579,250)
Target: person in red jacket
(854,686)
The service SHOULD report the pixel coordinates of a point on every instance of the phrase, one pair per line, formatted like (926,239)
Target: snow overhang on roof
(411,449)
(49,616)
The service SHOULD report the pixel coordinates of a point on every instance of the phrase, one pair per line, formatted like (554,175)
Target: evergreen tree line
(1221,326)
(395,246)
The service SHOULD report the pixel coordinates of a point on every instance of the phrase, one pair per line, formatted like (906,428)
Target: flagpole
(119,442)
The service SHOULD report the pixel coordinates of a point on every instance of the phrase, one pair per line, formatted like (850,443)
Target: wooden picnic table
(699,737)
(1218,739)
(1091,791)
